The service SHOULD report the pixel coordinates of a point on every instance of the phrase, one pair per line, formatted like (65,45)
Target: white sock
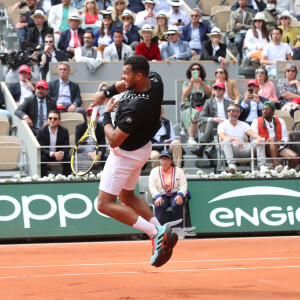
(145,226)
(154,221)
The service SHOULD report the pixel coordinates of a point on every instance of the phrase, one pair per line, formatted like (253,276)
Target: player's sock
(145,226)
(154,221)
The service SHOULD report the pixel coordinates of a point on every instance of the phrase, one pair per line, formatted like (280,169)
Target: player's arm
(117,88)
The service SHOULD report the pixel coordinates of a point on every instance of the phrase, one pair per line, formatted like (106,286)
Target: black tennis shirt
(139,114)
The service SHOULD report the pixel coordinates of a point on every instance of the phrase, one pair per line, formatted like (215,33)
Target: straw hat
(114,3)
(176,2)
(74,17)
(126,12)
(215,31)
(260,16)
(146,27)
(39,12)
(286,14)
(162,14)
(149,1)
(172,29)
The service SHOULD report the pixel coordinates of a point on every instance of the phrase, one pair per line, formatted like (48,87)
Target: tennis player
(137,121)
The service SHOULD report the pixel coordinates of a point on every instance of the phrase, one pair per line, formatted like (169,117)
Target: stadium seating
(4,125)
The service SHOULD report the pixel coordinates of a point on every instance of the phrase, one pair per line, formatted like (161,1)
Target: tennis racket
(85,153)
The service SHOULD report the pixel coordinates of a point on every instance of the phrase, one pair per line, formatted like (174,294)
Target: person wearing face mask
(271,15)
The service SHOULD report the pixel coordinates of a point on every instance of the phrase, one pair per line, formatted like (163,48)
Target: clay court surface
(233,268)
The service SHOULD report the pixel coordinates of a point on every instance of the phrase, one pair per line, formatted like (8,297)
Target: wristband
(111,91)
(106,119)
(157,196)
(179,193)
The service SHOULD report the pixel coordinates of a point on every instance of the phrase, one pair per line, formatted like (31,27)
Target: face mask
(270,6)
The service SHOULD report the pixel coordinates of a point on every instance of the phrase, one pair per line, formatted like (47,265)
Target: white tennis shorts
(123,168)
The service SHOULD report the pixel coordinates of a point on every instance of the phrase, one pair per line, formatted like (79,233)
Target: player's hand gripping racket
(85,153)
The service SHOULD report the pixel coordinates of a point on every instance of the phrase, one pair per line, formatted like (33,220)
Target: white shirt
(220,109)
(140,19)
(47,5)
(161,5)
(162,131)
(195,39)
(104,40)
(53,138)
(53,57)
(237,131)
(71,43)
(251,42)
(79,58)
(175,17)
(25,92)
(276,52)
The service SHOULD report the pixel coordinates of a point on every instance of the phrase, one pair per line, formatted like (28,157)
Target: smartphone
(179,20)
(195,73)
(250,90)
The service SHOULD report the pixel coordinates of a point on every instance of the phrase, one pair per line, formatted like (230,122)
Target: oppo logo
(54,207)
(269,215)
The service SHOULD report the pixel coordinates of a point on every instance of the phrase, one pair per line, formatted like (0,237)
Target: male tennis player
(137,121)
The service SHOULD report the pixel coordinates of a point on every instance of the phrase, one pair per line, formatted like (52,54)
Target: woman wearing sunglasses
(90,15)
(231,91)
(118,8)
(266,87)
(290,33)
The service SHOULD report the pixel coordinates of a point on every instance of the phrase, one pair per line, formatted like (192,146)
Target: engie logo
(59,206)
(259,211)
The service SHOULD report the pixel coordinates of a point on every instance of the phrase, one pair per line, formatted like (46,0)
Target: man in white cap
(58,18)
(195,32)
(72,38)
(36,34)
(146,16)
(175,49)
(177,17)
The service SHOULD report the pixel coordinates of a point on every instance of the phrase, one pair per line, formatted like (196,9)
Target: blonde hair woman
(118,7)
(90,15)
(160,28)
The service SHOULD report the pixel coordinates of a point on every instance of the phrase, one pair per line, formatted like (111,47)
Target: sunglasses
(196,69)
(284,18)
(291,71)
(170,34)
(90,3)
(89,114)
(219,72)
(218,88)
(258,21)
(50,42)
(64,69)
(260,72)
(53,118)
(126,18)
(106,18)
(120,3)
(195,16)
(232,110)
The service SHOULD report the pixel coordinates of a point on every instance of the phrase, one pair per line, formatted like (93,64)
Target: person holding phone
(251,104)
(177,17)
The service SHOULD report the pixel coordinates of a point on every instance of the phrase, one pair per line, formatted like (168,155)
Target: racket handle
(94,113)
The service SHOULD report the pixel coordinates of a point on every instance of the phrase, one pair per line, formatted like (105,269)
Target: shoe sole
(166,252)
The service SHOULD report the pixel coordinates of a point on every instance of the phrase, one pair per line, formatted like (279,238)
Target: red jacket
(141,49)
(263,130)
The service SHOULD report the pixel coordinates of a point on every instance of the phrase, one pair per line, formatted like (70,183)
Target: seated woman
(118,8)
(147,48)
(160,28)
(232,91)
(168,187)
(289,34)
(288,89)
(266,87)
(257,37)
(90,15)
(196,85)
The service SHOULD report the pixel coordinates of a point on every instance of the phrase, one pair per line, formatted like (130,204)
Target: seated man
(34,110)
(178,17)
(146,16)
(117,51)
(66,92)
(251,104)
(24,88)
(232,134)
(273,129)
(165,135)
(175,49)
(88,54)
(54,135)
(99,132)
(213,113)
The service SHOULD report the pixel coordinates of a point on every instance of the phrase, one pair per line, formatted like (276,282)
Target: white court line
(141,263)
(148,272)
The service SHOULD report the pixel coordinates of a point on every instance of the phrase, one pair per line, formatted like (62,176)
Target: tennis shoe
(162,245)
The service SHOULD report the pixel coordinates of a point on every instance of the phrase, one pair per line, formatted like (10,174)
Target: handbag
(198,99)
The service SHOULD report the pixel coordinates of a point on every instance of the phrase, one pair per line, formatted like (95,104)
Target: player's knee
(101,205)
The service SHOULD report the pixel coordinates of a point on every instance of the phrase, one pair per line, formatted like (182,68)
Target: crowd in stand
(102,31)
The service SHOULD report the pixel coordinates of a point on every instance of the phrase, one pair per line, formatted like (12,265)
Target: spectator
(166,136)
(231,90)
(214,112)
(251,104)
(214,49)
(175,49)
(232,134)
(196,85)
(177,17)
(273,129)
(50,54)
(147,48)
(253,6)
(275,51)
(58,18)
(271,15)
(78,4)
(162,6)
(12,75)
(288,88)
(103,35)
(160,28)
(257,37)
(146,16)
(136,6)
(99,132)
(102,87)
(90,15)
(118,8)
(72,38)
(25,22)
(44,5)
(36,34)
(88,54)
(24,88)
(168,187)
(283,5)
(103,5)
(34,110)
(240,22)
(289,33)
(130,31)
(117,51)
(195,32)
(65,92)
(266,87)
(57,138)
